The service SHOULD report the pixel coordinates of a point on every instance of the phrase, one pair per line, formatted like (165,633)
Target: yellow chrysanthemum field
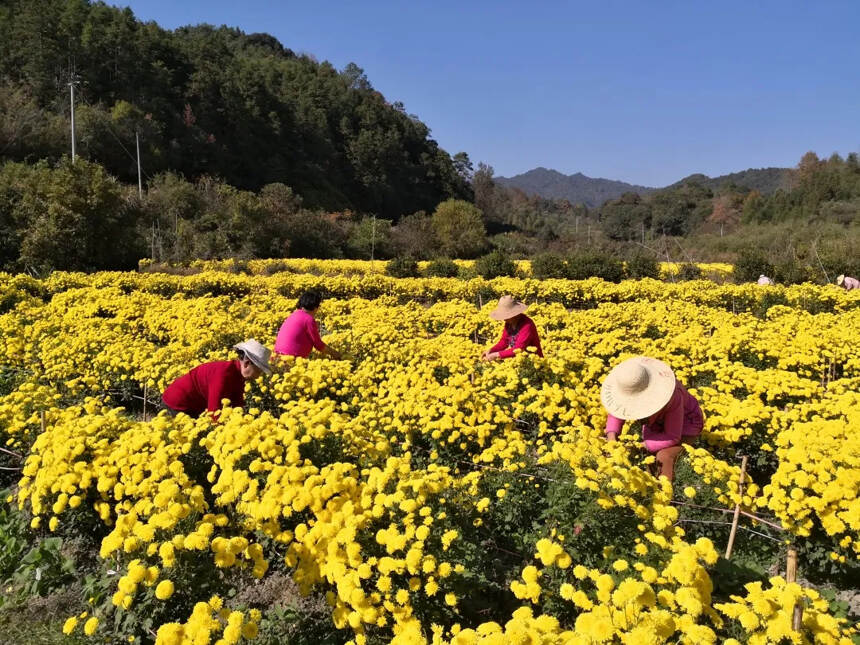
(424,496)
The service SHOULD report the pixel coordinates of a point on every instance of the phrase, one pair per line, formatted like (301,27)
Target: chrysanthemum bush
(424,496)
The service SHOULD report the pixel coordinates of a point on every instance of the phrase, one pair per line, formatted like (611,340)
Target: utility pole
(139,179)
(72,98)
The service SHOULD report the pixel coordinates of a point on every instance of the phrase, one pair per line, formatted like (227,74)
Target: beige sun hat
(840,279)
(256,353)
(508,308)
(637,388)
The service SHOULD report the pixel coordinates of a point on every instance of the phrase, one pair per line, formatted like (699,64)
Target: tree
(370,238)
(415,237)
(726,210)
(679,210)
(463,166)
(485,191)
(459,229)
(626,217)
(74,217)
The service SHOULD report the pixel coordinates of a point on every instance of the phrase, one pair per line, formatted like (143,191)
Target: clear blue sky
(646,92)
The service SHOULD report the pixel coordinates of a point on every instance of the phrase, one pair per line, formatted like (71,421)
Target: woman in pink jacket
(300,334)
(847,282)
(520,331)
(645,388)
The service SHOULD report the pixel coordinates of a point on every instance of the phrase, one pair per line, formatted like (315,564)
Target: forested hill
(211,101)
(576,188)
(762,180)
(579,189)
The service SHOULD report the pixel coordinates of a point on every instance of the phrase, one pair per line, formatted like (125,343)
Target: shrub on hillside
(751,264)
(642,265)
(443,268)
(791,271)
(595,265)
(689,271)
(495,265)
(548,265)
(402,268)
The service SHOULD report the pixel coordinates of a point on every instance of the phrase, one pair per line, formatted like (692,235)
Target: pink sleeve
(528,338)
(673,420)
(314,332)
(614,424)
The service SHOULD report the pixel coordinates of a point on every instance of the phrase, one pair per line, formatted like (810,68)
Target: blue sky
(646,92)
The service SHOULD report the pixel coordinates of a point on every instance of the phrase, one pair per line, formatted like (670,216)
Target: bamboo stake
(737,514)
(791,576)
(42,420)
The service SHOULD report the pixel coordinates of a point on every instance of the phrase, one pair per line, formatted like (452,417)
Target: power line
(119,141)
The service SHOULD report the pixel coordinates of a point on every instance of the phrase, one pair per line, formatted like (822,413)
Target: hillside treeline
(252,150)
(819,191)
(819,197)
(71,216)
(210,101)
(77,216)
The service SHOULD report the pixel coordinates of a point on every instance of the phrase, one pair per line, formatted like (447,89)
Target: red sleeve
(313,330)
(216,389)
(673,419)
(237,396)
(225,383)
(526,338)
(503,342)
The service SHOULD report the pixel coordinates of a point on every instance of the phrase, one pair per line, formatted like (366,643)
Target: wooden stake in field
(737,514)
(791,576)
(42,420)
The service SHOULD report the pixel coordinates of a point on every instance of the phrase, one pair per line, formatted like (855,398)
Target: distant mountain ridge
(580,189)
(576,188)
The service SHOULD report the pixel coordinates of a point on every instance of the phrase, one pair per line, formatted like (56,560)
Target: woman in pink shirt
(519,332)
(645,388)
(847,282)
(300,334)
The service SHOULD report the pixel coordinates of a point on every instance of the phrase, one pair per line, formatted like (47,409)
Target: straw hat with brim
(508,308)
(255,353)
(840,279)
(637,388)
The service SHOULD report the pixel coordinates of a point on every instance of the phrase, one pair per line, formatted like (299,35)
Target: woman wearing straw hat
(847,282)
(645,388)
(519,331)
(206,385)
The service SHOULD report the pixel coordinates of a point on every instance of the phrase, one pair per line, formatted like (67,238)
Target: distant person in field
(519,331)
(206,385)
(764,280)
(847,282)
(300,333)
(645,388)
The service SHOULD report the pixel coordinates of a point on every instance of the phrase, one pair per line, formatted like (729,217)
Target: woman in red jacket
(206,385)
(519,332)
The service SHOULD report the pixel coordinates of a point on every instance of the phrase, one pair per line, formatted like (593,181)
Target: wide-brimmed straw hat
(256,353)
(637,388)
(840,279)
(508,308)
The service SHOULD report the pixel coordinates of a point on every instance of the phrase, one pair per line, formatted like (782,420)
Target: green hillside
(210,101)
